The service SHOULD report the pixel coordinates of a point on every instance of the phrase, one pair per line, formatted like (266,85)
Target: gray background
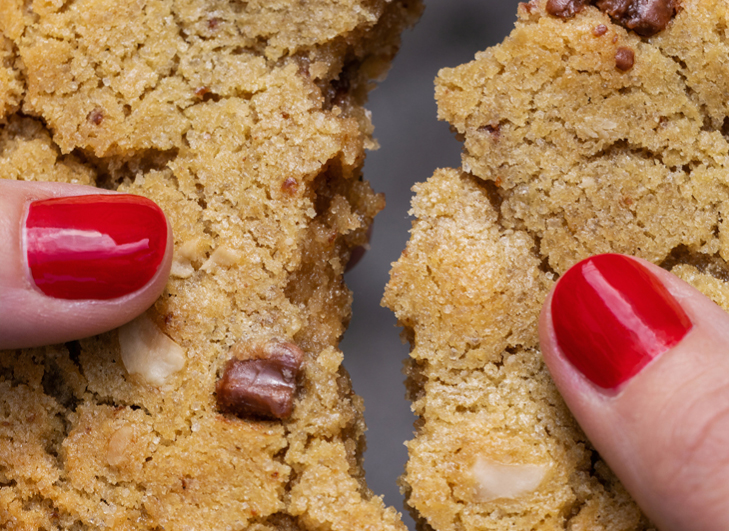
(413,144)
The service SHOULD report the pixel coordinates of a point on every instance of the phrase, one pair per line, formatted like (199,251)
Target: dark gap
(74,354)
(725,127)
(707,125)
(712,265)
(493,192)
(54,384)
(111,171)
(205,95)
(544,265)
(200,189)
(337,91)
(324,186)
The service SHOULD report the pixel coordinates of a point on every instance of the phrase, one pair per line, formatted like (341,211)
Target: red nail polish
(612,316)
(94,246)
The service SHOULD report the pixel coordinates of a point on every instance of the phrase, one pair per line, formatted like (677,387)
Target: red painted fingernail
(612,316)
(94,246)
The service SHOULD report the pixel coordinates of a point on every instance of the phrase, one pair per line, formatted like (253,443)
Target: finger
(642,360)
(76,261)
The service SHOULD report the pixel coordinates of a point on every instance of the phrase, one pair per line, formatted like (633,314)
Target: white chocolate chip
(116,449)
(148,352)
(222,257)
(497,480)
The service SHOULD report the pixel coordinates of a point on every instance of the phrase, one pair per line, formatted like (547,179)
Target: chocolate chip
(624,58)
(260,380)
(565,8)
(645,17)
(290,186)
(96,116)
(600,30)
(493,129)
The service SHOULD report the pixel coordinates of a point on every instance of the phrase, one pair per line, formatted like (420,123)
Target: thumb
(76,261)
(642,360)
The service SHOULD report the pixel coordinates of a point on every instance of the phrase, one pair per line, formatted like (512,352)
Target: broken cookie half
(572,148)
(225,406)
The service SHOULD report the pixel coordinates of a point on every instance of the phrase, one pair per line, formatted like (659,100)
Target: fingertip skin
(30,317)
(664,430)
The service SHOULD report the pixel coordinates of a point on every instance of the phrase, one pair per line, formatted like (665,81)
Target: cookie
(587,130)
(245,122)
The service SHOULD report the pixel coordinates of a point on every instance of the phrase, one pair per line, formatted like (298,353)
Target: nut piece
(181,268)
(222,257)
(496,480)
(116,449)
(624,58)
(260,380)
(184,256)
(148,352)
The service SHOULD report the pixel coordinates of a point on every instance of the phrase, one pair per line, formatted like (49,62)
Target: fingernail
(94,246)
(611,317)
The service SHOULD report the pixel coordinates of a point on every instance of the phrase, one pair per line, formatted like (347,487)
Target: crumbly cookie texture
(244,122)
(567,154)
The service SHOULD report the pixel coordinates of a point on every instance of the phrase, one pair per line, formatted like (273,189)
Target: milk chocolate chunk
(260,380)
(645,17)
(624,58)
(565,8)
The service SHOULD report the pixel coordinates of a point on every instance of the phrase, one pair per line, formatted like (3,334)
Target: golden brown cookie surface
(581,137)
(244,122)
